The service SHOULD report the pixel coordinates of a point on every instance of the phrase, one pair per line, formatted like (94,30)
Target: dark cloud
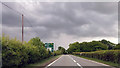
(81,19)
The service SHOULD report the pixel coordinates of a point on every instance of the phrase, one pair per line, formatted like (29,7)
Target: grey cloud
(103,7)
(77,18)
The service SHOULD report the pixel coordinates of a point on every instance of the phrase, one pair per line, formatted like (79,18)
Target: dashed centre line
(76,62)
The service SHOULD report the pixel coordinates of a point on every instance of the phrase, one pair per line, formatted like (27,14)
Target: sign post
(50,46)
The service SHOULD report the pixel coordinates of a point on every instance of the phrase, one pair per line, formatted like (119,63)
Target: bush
(58,52)
(14,53)
(117,47)
(105,55)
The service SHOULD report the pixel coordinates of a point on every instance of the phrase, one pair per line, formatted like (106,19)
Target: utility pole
(22,29)
(18,13)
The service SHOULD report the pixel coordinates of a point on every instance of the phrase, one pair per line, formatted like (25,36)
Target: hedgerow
(105,55)
(14,53)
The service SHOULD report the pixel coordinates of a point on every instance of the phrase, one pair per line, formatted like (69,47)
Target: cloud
(50,20)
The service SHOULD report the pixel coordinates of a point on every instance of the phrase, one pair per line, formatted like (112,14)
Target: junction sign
(49,46)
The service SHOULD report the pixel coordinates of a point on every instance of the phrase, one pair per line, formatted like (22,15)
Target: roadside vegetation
(43,63)
(102,50)
(111,56)
(101,61)
(15,54)
(92,46)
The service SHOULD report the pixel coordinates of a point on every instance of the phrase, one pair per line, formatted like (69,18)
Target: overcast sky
(62,22)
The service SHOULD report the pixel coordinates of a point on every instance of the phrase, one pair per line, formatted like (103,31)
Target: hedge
(14,53)
(105,55)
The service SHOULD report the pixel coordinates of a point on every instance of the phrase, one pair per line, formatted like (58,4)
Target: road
(70,61)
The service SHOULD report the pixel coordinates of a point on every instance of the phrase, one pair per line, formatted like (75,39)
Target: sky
(62,22)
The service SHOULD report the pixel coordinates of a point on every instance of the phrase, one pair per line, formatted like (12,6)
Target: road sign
(50,46)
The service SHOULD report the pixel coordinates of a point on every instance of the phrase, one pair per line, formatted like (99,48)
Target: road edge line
(53,62)
(95,62)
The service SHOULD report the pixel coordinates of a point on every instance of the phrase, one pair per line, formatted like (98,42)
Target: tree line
(92,46)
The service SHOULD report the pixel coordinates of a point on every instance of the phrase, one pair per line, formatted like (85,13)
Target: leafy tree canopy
(90,46)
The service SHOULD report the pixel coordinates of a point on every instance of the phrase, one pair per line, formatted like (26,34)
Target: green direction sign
(50,46)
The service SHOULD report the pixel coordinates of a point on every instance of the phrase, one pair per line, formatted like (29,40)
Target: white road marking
(94,62)
(76,62)
(53,62)
(79,65)
(99,63)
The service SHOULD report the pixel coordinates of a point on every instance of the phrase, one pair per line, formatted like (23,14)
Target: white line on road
(53,62)
(75,62)
(79,65)
(72,58)
(94,61)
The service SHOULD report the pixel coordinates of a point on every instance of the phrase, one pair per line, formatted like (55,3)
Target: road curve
(70,61)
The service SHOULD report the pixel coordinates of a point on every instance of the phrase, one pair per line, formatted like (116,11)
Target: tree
(63,51)
(36,42)
(74,47)
(86,46)
(109,44)
(117,47)
(59,48)
(96,45)
(40,45)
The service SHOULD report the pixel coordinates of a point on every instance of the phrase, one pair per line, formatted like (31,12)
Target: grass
(101,61)
(42,63)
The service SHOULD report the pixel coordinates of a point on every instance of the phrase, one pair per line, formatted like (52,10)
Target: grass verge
(42,63)
(101,61)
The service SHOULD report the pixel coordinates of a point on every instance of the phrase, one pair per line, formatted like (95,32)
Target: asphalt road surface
(70,61)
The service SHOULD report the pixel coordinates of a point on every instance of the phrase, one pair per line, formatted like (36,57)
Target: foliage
(63,51)
(117,47)
(108,43)
(14,53)
(58,52)
(36,42)
(86,46)
(105,55)
(73,47)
